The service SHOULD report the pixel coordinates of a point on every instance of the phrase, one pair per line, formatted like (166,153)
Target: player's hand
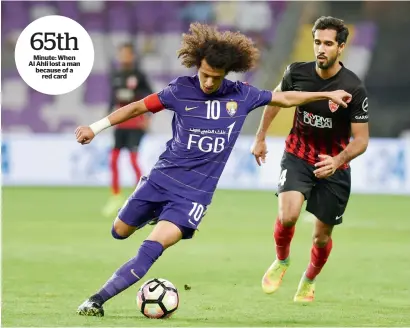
(340,97)
(259,150)
(326,167)
(84,135)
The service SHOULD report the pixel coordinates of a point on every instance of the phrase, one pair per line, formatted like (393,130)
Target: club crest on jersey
(231,107)
(332,106)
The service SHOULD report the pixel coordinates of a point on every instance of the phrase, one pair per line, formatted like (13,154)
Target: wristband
(101,125)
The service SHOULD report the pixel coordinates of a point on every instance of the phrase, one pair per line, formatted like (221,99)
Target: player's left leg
(319,254)
(295,183)
(327,203)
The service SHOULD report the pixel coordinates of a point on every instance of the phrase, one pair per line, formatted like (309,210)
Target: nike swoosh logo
(132,271)
(151,289)
(190,108)
(339,217)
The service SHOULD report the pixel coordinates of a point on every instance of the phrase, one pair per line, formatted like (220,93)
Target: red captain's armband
(153,103)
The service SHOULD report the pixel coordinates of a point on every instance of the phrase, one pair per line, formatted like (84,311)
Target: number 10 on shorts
(196,212)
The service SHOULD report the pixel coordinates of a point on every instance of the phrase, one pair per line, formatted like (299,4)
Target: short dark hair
(231,51)
(332,23)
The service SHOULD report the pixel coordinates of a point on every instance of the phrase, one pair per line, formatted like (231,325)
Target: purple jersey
(205,129)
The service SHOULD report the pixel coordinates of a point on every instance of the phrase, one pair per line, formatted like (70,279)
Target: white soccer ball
(157,299)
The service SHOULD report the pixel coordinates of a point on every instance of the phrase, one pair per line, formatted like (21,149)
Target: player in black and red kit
(315,164)
(129,84)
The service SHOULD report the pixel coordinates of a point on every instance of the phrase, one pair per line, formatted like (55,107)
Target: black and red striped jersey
(322,127)
(128,86)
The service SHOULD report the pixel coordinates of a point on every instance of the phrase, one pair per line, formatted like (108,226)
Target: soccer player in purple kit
(209,112)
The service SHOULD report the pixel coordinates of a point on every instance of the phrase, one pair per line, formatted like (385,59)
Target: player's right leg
(164,235)
(290,204)
(295,183)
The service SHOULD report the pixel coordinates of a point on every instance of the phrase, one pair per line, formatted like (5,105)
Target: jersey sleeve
(257,98)
(167,97)
(153,103)
(286,83)
(359,106)
(164,99)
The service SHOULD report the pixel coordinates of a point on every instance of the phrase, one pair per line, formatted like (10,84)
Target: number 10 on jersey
(213,109)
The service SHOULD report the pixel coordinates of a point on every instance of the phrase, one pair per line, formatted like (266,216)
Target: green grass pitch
(57,250)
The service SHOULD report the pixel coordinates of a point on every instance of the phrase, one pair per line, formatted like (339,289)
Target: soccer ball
(157,299)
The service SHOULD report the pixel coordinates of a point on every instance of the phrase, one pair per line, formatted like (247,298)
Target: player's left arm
(359,118)
(295,98)
(287,99)
(360,133)
(329,165)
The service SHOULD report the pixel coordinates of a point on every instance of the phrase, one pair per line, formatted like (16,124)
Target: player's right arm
(152,103)
(259,147)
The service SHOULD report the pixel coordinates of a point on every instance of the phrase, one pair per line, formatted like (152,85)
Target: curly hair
(231,51)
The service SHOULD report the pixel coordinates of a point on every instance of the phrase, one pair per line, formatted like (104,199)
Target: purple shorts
(150,201)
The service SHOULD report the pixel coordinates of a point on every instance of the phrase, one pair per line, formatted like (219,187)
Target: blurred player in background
(315,165)
(128,84)
(209,112)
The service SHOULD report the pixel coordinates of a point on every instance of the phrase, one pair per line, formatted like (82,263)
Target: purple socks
(132,271)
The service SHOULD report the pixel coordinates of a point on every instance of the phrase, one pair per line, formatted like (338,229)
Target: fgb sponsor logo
(317,121)
(207,144)
(214,143)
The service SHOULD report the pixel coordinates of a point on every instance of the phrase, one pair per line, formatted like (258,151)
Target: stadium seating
(154,27)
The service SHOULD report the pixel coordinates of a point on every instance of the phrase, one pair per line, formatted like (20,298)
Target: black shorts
(326,198)
(128,138)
